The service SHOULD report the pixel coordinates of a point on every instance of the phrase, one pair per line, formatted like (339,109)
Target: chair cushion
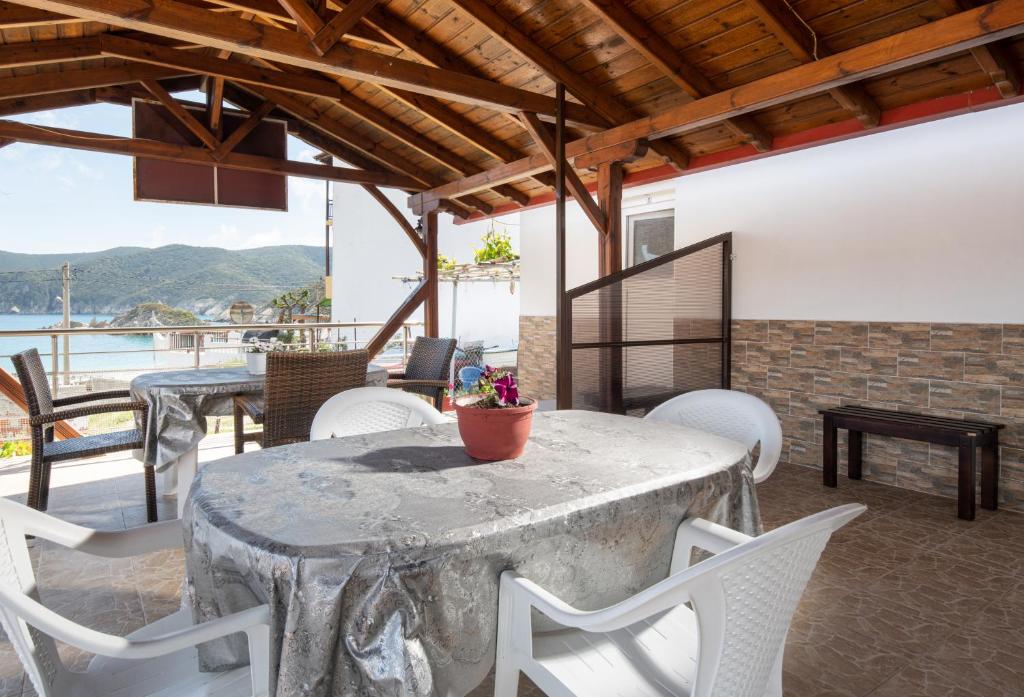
(87,446)
(653,658)
(166,676)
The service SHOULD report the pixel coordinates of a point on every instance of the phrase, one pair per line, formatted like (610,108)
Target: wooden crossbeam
(403,224)
(783,23)
(340,24)
(607,107)
(72,80)
(662,55)
(45,102)
(993,58)
(245,128)
(624,152)
(182,22)
(19,17)
(137,147)
(181,114)
(416,298)
(4,142)
(47,52)
(545,140)
(273,11)
(215,105)
(961,32)
(304,16)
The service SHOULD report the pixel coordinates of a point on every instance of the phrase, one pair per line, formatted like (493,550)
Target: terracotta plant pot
(496,434)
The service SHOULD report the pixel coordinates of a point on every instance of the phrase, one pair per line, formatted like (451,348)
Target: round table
(380,554)
(179,402)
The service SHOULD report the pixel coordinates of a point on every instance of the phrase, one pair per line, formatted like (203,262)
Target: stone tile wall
(958,370)
(536,364)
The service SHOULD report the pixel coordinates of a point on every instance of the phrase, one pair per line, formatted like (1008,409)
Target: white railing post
(405,344)
(195,347)
(54,375)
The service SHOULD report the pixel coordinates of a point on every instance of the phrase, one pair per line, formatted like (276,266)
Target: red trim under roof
(899,117)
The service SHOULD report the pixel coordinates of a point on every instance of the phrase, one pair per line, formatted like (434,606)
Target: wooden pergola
(452,101)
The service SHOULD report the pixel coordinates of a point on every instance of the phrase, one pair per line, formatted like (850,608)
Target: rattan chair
(42,417)
(426,372)
(297,386)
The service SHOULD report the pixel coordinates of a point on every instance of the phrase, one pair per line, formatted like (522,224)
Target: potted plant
(494,420)
(256,357)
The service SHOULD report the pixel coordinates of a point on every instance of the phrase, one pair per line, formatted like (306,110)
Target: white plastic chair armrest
(63,629)
(661,596)
(112,544)
(702,534)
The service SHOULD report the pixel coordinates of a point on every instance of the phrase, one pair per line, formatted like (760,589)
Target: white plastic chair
(369,410)
(159,659)
(728,642)
(730,414)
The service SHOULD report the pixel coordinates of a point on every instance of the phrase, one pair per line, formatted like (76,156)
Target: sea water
(102,352)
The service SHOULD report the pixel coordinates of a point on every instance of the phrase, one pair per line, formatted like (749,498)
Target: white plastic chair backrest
(369,410)
(37,651)
(730,414)
(745,598)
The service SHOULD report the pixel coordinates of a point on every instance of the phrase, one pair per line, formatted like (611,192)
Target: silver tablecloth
(180,400)
(380,554)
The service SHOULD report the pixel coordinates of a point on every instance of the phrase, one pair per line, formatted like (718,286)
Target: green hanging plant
(497,247)
(445,263)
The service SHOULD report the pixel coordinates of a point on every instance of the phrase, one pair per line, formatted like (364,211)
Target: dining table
(179,402)
(380,554)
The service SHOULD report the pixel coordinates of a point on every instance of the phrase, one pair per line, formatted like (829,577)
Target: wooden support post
(431,323)
(563,318)
(609,197)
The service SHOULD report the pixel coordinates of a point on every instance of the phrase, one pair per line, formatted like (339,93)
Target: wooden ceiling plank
(805,45)
(176,20)
(245,128)
(995,21)
(72,80)
(340,24)
(100,142)
(545,140)
(607,107)
(664,56)
(182,114)
(994,59)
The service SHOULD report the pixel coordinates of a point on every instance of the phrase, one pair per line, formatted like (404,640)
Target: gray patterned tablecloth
(180,400)
(380,554)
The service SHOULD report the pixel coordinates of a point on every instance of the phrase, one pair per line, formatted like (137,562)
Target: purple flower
(488,371)
(507,390)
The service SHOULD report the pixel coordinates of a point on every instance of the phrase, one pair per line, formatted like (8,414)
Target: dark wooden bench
(968,436)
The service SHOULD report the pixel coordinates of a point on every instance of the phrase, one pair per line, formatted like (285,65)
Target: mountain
(204,280)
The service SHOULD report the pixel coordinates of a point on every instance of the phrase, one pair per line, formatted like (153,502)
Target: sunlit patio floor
(907,601)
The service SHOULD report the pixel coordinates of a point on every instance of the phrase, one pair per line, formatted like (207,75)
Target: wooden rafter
(781,21)
(994,58)
(662,55)
(273,11)
(49,83)
(545,140)
(46,52)
(608,108)
(993,22)
(137,147)
(340,24)
(19,17)
(45,102)
(403,224)
(181,114)
(215,105)
(176,20)
(245,128)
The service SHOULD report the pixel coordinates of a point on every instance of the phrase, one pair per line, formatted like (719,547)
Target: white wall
(370,249)
(921,223)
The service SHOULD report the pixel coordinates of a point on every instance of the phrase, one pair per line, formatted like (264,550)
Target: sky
(60,200)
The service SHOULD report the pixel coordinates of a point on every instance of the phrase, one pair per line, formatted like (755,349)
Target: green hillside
(201,279)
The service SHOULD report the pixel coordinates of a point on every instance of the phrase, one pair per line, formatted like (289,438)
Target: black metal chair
(43,415)
(427,370)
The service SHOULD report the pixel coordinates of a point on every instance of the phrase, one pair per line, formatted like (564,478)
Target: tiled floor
(907,601)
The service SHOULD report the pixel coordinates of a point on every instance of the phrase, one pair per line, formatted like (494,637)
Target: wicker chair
(42,417)
(426,373)
(297,386)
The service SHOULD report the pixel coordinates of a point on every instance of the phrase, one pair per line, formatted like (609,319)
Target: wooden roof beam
(215,105)
(664,56)
(995,21)
(994,59)
(245,128)
(176,20)
(545,140)
(100,142)
(340,24)
(781,20)
(181,114)
(19,17)
(48,52)
(73,80)
(273,11)
(45,102)
(608,108)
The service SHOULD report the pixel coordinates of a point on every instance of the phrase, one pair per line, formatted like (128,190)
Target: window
(649,235)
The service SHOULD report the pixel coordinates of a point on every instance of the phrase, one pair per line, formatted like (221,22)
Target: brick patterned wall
(958,370)
(536,364)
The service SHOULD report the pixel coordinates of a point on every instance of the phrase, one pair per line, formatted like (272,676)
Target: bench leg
(856,454)
(829,454)
(990,476)
(965,489)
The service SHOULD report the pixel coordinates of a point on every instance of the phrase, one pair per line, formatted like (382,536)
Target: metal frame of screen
(649,332)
